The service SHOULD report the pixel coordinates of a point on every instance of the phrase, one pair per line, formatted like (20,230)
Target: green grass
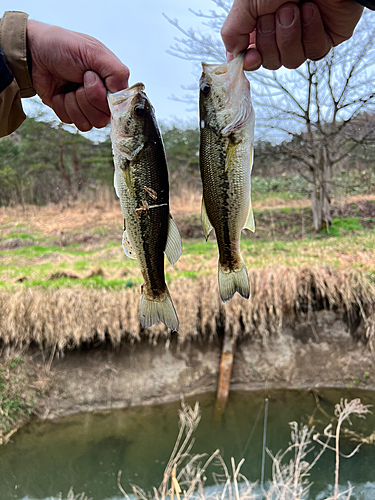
(22,236)
(115,271)
(344,226)
(36,265)
(199,247)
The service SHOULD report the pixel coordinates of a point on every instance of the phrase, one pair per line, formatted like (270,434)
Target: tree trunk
(61,164)
(76,168)
(321,197)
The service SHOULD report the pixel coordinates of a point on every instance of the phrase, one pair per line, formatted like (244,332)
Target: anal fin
(173,247)
(127,246)
(250,223)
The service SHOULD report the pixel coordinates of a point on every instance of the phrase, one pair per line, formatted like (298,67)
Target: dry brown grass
(66,318)
(102,209)
(85,213)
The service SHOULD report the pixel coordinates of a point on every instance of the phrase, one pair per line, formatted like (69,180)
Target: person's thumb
(119,80)
(240,22)
(110,69)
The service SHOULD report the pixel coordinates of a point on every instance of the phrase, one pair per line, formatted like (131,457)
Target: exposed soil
(321,353)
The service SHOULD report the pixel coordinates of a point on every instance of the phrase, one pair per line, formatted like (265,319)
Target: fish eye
(139,110)
(205,89)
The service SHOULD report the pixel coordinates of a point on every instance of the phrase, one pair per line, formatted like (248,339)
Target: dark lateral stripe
(6,76)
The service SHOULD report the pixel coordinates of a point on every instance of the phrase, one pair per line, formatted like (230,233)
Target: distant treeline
(43,162)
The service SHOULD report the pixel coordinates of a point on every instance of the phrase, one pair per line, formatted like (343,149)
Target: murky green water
(86,451)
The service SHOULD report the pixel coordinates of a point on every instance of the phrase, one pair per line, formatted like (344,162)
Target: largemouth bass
(226,156)
(141,183)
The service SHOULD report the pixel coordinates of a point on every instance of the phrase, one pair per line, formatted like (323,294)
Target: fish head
(224,100)
(131,113)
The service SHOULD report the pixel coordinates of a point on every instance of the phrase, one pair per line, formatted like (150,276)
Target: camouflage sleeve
(370,4)
(15,80)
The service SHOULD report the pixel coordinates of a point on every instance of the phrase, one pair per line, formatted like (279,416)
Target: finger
(316,42)
(289,36)
(93,115)
(75,114)
(58,107)
(252,60)
(96,92)
(119,80)
(237,26)
(266,42)
(229,56)
(103,62)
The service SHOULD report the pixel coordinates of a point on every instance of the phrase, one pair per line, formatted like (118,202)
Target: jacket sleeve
(370,4)
(15,80)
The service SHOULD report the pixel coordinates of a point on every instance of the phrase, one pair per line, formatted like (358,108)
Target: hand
(71,72)
(279,33)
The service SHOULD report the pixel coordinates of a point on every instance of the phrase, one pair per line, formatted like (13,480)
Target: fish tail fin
(152,311)
(232,282)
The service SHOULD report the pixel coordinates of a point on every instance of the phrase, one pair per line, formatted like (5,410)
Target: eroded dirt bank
(317,354)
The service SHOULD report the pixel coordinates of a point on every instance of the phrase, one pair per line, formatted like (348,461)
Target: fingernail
(307,13)
(286,16)
(230,56)
(266,24)
(89,78)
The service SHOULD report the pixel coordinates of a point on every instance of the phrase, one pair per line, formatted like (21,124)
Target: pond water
(86,451)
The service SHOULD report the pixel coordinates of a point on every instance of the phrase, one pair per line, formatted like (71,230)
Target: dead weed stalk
(185,474)
(68,317)
(72,496)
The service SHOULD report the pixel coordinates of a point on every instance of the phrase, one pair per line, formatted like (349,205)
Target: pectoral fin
(207,226)
(127,177)
(173,248)
(230,152)
(127,247)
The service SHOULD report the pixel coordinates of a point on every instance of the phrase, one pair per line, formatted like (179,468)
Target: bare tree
(314,112)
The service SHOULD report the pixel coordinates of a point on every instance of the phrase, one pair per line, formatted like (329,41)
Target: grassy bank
(22,386)
(64,279)
(65,283)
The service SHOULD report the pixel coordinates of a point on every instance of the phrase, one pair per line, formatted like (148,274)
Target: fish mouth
(236,65)
(119,101)
(232,82)
(230,75)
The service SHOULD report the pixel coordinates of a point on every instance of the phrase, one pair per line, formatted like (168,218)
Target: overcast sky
(137,33)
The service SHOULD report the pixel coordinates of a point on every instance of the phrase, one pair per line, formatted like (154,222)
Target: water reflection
(86,451)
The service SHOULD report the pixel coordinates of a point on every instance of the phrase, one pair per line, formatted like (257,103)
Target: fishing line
(252,431)
(264,442)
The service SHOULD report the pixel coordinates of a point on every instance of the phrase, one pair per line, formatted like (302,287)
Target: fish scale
(226,142)
(141,182)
